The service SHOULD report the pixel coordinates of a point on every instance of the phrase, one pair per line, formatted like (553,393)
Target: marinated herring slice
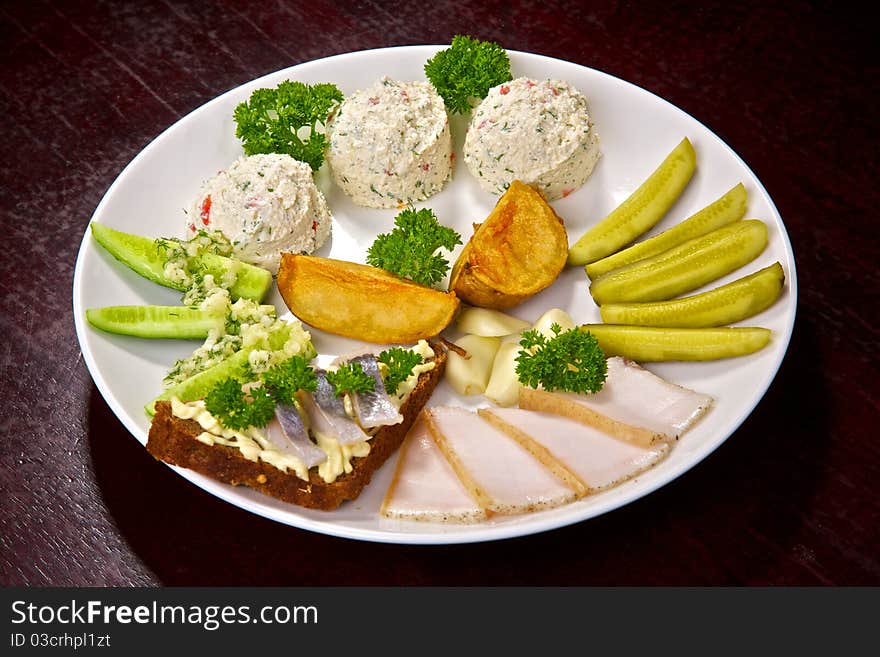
(327,414)
(374,408)
(425,487)
(595,458)
(634,405)
(500,475)
(294,438)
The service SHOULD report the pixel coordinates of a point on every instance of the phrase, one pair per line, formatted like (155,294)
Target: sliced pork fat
(634,405)
(596,459)
(425,487)
(498,472)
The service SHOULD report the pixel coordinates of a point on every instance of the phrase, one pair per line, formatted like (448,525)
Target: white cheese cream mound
(390,144)
(265,205)
(538,132)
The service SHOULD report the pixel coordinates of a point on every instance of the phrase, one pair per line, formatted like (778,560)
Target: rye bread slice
(173,440)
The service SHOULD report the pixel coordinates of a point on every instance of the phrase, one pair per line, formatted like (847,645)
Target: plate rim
(459,534)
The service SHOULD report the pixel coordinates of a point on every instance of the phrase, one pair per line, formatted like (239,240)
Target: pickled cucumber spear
(641,211)
(683,268)
(725,210)
(650,343)
(734,302)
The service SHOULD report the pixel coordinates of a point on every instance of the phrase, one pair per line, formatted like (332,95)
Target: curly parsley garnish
(238,410)
(467,69)
(270,120)
(570,360)
(351,378)
(285,379)
(409,250)
(400,363)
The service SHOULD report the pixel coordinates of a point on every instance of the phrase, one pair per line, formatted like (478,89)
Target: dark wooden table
(792,498)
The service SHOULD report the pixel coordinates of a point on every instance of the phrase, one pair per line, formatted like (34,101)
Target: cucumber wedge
(685,267)
(727,304)
(142,255)
(649,343)
(727,209)
(180,322)
(197,386)
(638,213)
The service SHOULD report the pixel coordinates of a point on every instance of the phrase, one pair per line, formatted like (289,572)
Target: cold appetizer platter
(434,294)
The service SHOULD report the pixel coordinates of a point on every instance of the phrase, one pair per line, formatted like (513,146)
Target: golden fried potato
(519,250)
(362,302)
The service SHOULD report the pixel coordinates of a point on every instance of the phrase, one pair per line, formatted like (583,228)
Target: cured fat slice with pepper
(499,473)
(634,405)
(425,487)
(595,458)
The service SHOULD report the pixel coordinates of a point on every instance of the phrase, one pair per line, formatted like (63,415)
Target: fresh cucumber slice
(139,254)
(685,267)
(638,213)
(727,304)
(650,343)
(727,209)
(198,385)
(144,256)
(180,322)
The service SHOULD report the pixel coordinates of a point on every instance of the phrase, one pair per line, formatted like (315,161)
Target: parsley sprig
(570,360)
(410,249)
(270,121)
(350,378)
(467,69)
(400,363)
(287,378)
(238,410)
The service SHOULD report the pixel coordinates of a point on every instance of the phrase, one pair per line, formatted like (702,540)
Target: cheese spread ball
(538,132)
(265,205)
(390,144)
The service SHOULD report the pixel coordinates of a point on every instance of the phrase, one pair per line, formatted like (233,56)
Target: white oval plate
(637,129)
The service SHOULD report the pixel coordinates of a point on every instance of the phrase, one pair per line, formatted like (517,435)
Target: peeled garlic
(469,376)
(489,323)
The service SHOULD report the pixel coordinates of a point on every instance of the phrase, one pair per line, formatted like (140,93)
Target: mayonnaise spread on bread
(251,443)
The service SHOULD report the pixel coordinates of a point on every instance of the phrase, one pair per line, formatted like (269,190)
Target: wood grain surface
(792,498)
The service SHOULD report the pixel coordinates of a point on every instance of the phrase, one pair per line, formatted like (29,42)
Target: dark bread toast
(173,440)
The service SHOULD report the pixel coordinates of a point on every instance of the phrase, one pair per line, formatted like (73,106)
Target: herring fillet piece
(330,413)
(634,405)
(292,437)
(598,460)
(500,475)
(374,408)
(425,487)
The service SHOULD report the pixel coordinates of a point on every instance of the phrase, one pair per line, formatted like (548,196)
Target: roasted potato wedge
(362,302)
(519,250)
